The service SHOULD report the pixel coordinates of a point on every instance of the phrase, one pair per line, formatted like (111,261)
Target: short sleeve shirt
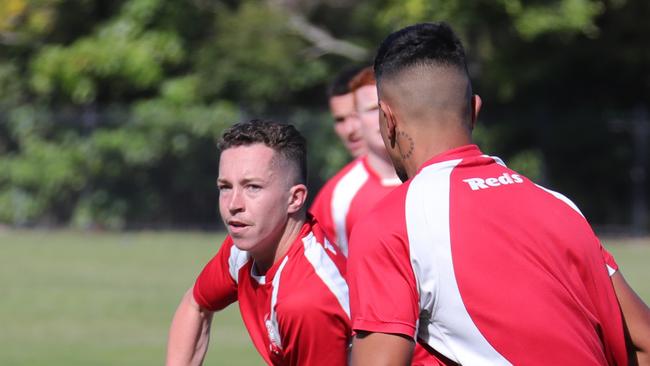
(348,196)
(298,312)
(485,267)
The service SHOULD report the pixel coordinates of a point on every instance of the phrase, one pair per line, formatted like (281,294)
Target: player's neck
(428,145)
(381,165)
(287,238)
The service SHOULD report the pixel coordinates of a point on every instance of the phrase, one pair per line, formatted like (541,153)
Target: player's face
(253,197)
(368,109)
(346,124)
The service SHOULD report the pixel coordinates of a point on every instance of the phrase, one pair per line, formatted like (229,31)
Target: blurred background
(110,111)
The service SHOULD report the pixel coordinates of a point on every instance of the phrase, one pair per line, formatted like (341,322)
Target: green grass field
(70,298)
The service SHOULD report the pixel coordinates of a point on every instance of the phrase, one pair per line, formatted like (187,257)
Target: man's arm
(189,333)
(636,315)
(381,349)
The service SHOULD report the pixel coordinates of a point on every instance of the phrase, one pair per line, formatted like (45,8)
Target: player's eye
(253,188)
(372,109)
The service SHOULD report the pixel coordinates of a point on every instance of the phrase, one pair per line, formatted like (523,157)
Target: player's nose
(236,202)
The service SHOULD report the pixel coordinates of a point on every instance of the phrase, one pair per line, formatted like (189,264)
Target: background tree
(109,110)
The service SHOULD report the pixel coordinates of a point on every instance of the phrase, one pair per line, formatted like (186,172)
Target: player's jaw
(355,145)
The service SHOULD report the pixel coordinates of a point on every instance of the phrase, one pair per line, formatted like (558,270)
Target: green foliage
(31,18)
(12,90)
(256,58)
(529,163)
(79,176)
(563,16)
(121,51)
(109,111)
(44,174)
(325,153)
(530,19)
(403,13)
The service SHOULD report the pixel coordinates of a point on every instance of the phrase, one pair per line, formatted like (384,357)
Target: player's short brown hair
(281,137)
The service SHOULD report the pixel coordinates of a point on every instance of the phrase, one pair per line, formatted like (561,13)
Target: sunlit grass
(75,298)
(70,298)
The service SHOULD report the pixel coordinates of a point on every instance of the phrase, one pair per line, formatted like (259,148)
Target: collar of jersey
(461,152)
(295,246)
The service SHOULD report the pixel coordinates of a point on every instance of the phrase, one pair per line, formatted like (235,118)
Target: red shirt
(485,267)
(347,197)
(298,312)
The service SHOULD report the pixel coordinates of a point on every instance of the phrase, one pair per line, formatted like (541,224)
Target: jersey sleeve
(215,288)
(610,262)
(383,291)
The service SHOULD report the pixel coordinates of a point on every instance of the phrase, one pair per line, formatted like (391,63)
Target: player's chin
(356,149)
(242,243)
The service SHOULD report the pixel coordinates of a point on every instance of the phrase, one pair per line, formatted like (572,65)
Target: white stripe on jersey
(570,203)
(236,261)
(327,271)
(342,195)
(562,198)
(444,321)
(272,325)
(496,160)
(610,270)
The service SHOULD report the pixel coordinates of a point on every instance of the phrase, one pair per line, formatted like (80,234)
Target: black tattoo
(406,154)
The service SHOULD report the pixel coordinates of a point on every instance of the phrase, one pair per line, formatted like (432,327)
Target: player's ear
(476,108)
(388,119)
(297,198)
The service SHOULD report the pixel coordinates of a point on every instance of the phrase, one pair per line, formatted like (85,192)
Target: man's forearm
(637,320)
(381,349)
(189,333)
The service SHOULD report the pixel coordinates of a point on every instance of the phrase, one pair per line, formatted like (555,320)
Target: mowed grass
(633,258)
(70,298)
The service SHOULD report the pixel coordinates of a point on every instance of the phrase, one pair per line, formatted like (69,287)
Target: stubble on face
(257,219)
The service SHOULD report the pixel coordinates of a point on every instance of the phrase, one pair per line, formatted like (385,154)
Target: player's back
(515,273)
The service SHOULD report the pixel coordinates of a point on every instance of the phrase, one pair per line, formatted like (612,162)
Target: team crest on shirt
(274,334)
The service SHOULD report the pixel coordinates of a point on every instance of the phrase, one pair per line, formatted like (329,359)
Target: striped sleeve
(216,287)
(610,262)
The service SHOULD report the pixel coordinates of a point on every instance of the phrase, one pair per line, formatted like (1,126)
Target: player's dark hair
(281,137)
(340,84)
(424,44)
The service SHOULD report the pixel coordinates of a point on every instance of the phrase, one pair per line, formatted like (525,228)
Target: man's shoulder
(317,269)
(355,168)
(326,192)
(387,215)
(392,204)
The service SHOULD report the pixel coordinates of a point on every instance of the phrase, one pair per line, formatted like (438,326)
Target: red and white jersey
(298,312)
(486,268)
(348,196)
